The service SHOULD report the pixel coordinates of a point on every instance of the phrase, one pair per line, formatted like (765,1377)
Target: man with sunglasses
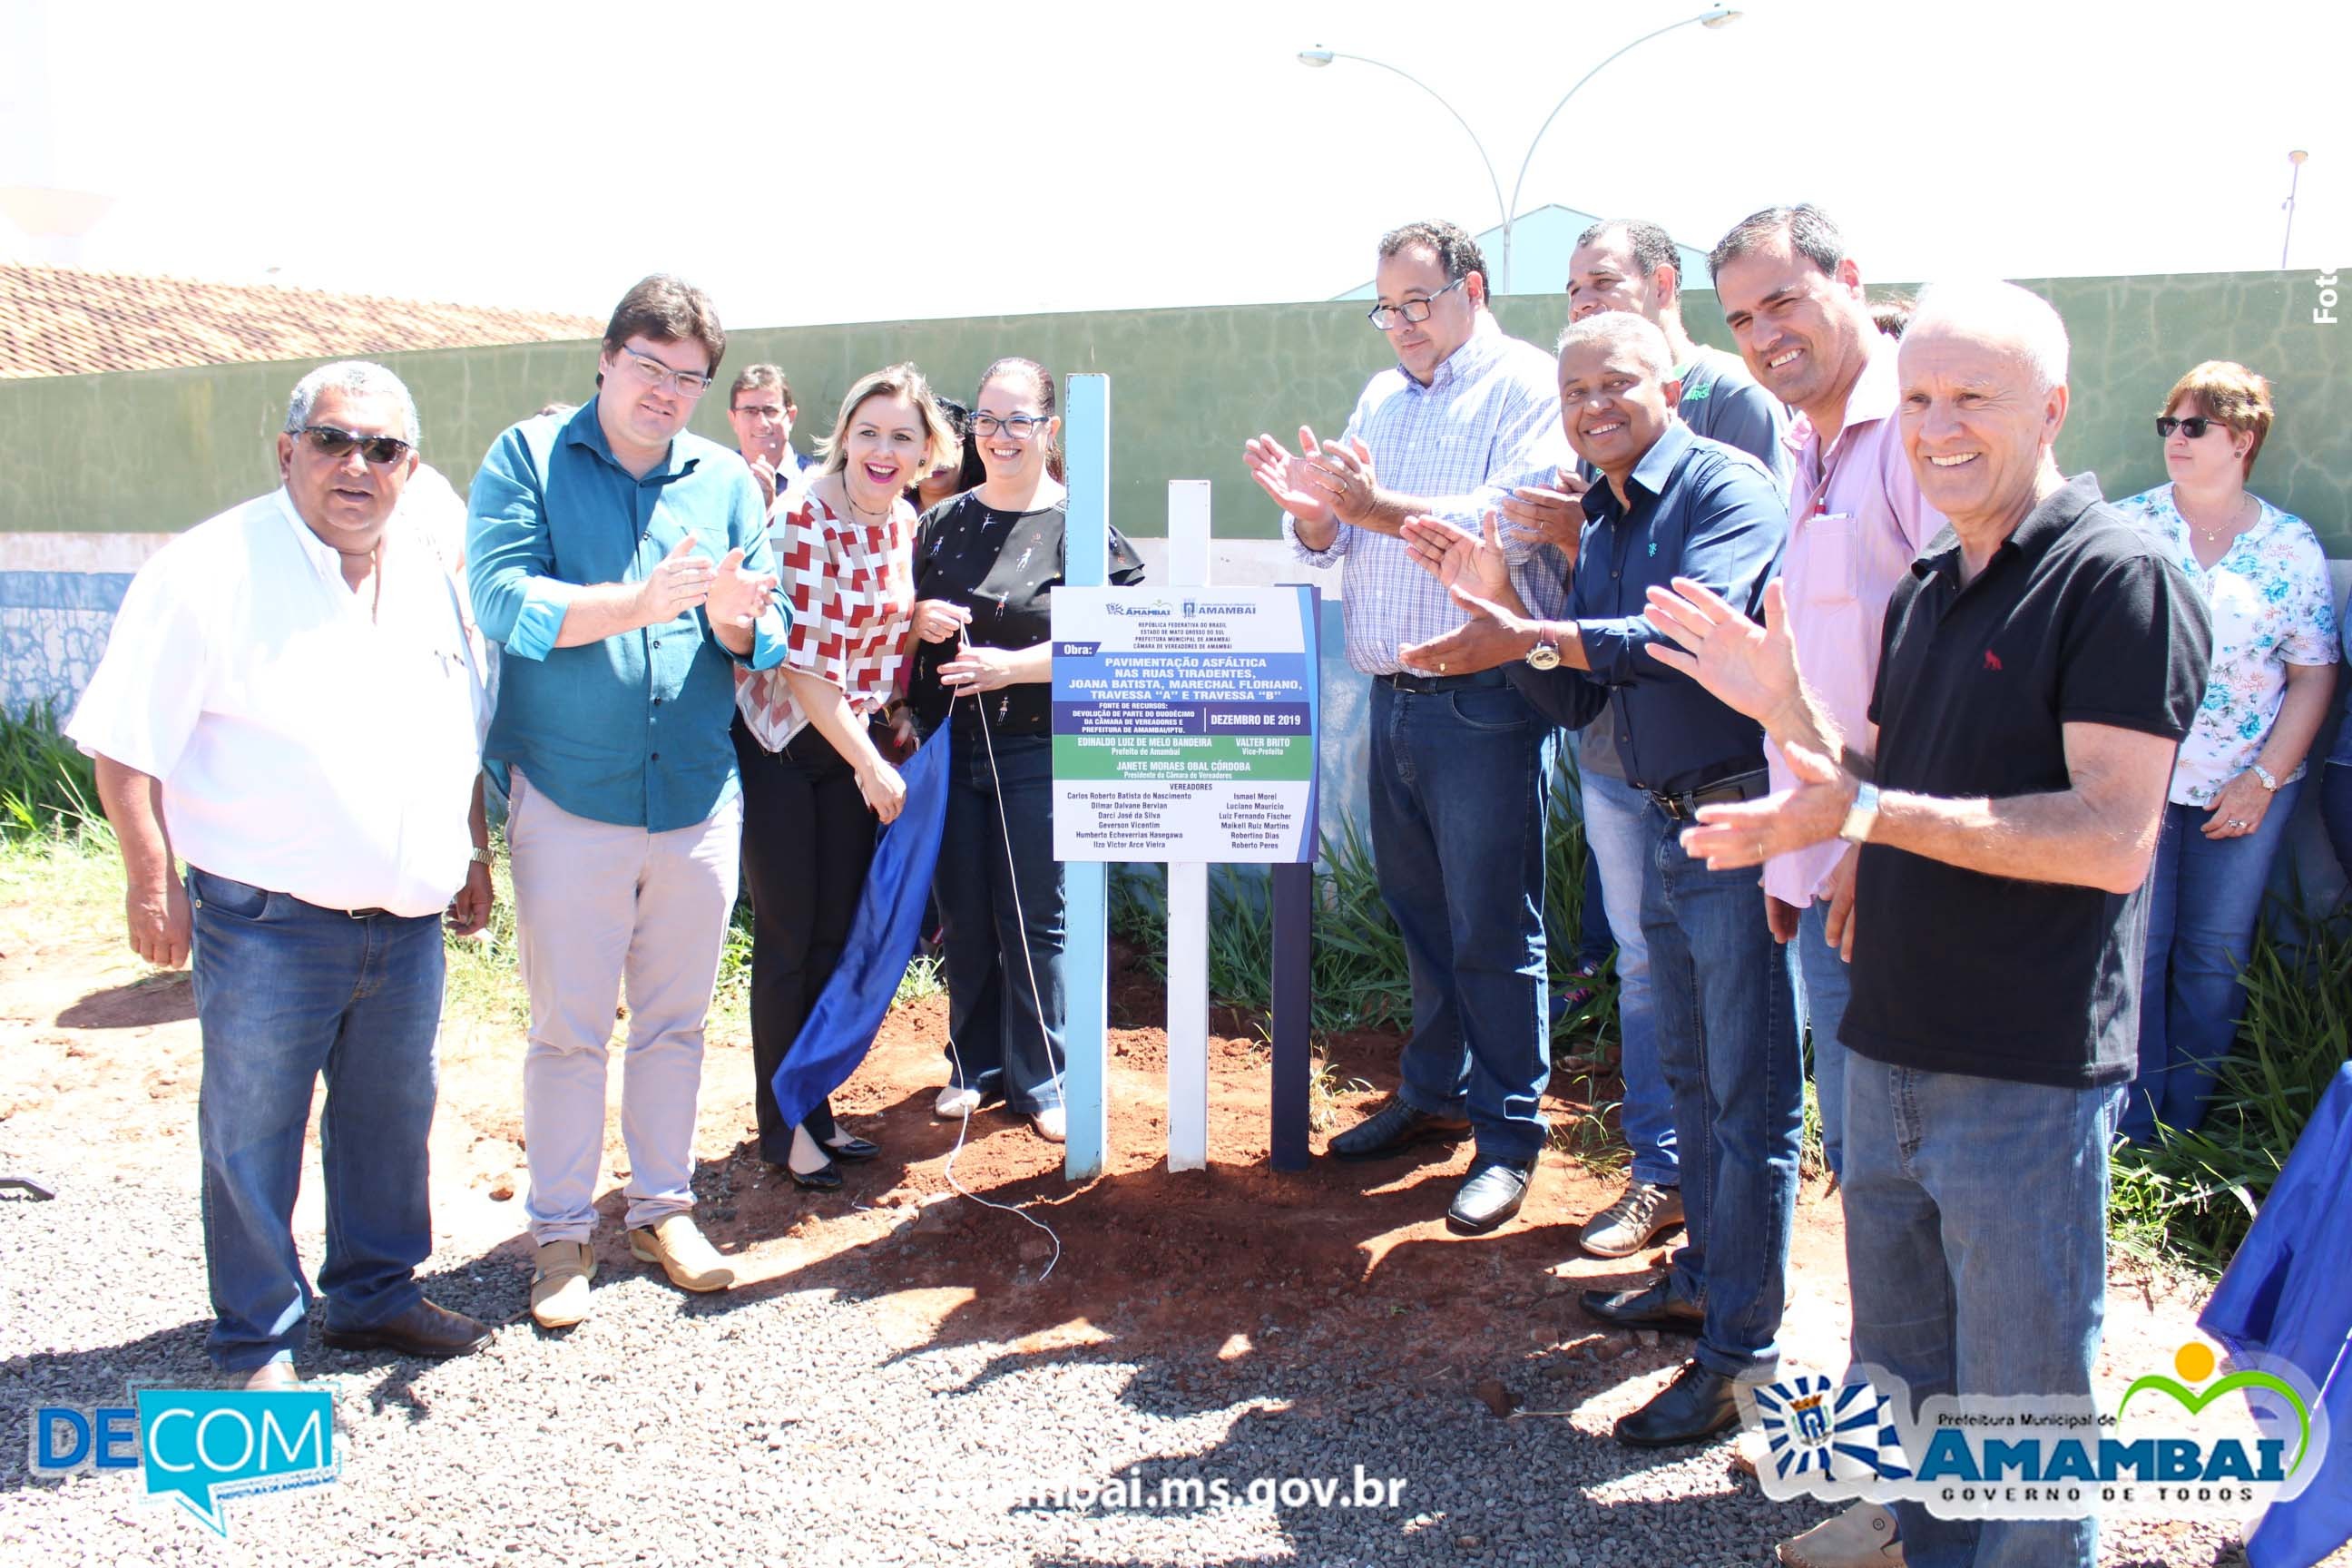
(1457,759)
(624,566)
(290,702)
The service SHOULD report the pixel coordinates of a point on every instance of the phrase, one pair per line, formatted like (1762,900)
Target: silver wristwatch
(1862,816)
(1545,655)
(2270,779)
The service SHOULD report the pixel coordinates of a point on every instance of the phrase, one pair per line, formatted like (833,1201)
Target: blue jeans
(1458,809)
(2204,898)
(1618,842)
(1975,1218)
(998,892)
(285,990)
(1827,987)
(1727,1045)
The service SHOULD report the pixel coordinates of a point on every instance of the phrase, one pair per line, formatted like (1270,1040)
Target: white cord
(955,1056)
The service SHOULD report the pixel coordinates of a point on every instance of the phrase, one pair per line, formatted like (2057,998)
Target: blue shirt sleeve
(1734,528)
(509,556)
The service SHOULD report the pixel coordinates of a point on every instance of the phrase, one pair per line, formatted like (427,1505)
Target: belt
(1682,808)
(1430,685)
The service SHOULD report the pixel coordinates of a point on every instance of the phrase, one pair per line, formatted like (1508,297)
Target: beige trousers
(598,907)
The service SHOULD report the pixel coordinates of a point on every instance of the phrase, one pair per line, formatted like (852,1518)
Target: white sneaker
(1861,1537)
(1053,1126)
(954,1104)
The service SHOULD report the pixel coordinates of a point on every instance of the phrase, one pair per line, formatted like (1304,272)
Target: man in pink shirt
(1793,300)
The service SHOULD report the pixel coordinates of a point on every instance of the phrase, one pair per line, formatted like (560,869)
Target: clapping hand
(1456,557)
(1493,635)
(737,597)
(1283,478)
(1549,516)
(1341,473)
(678,582)
(1749,668)
(1751,832)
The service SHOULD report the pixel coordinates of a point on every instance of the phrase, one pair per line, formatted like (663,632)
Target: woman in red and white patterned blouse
(809,734)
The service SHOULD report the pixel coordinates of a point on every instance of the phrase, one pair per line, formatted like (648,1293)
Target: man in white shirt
(290,702)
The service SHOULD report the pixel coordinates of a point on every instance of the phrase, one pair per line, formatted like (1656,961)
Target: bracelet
(482,856)
(2269,780)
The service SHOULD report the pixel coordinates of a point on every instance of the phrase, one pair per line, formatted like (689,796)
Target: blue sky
(814,164)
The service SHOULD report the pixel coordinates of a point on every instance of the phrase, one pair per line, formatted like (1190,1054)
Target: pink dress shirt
(1856,521)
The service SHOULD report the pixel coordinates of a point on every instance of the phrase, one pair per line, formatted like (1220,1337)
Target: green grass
(2192,1196)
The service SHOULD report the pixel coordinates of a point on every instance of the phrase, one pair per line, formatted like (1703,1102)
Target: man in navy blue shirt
(1674,505)
(624,566)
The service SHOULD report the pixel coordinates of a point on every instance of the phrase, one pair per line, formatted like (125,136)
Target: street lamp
(2294,159)
(1719,18)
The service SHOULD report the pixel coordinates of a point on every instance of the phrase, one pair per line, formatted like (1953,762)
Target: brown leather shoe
(424,1330)
(270,1377)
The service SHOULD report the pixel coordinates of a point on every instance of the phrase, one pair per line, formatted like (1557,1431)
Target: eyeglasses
(1020,426)
(332,441)
(2194,426)
(1415,312)
(685,382)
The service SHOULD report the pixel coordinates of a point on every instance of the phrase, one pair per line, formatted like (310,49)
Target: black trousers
(808,839)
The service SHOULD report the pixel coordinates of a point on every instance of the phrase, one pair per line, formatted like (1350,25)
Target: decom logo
(196,1446)
(2170,1443)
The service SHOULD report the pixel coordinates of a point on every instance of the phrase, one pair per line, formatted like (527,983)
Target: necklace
(856,510)
(2212,535)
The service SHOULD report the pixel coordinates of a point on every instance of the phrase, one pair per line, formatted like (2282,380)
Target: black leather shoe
(424,1330)
(1696,1406)
(821,1179)
(1650,1306)
(854,1150)
(1490,1194)
(1394,1129)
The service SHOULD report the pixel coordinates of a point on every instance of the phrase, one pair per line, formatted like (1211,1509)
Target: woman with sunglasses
(810,735)
(985,563)
(950,480)
(2264,582)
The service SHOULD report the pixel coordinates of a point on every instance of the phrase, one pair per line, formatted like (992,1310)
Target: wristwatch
(2270,779)
(1545,655)
(483,857)
(1862,816)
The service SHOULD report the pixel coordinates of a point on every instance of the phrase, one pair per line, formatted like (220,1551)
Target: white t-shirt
(305,744)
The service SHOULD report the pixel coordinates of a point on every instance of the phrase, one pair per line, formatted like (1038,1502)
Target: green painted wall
(161,449)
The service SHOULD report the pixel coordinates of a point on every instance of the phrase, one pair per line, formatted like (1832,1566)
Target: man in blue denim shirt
(1674,505)
(624,566)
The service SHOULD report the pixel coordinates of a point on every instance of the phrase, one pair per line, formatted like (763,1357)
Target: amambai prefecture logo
(2048,1457)
(196,1446)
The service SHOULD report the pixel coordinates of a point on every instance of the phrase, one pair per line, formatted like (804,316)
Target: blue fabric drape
(2288,1293)
(850,1010)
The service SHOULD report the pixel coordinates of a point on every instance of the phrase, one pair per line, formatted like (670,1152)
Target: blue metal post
(1086,973)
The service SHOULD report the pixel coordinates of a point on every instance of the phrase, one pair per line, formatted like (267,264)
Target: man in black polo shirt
(2038,674)
(1674,505)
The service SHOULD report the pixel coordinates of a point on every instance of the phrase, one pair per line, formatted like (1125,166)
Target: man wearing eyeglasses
(760,408)
(1457,759)
(289,703)
(624,565)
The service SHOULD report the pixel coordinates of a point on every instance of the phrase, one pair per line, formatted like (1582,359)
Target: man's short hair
(1456,251)
(2000,311)
(1620,328)
(753,375)
(1813,234)
(356,375)
(666,310)
(2228,393)
(1652,246)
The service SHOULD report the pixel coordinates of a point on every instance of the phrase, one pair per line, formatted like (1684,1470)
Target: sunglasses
(2194,426)
(329,441)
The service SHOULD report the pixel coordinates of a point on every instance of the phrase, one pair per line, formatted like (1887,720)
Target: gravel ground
(803,1425)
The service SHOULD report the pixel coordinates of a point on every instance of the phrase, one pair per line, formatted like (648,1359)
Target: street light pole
(1320,58)
(2294,160)
(1721,17)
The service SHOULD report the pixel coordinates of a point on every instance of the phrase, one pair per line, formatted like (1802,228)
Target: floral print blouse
(2272,605)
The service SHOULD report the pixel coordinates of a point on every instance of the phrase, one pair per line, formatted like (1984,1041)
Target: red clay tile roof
(58,321)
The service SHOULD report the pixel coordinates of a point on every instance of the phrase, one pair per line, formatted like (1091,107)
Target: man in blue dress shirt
(1674,505)
(623,565)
